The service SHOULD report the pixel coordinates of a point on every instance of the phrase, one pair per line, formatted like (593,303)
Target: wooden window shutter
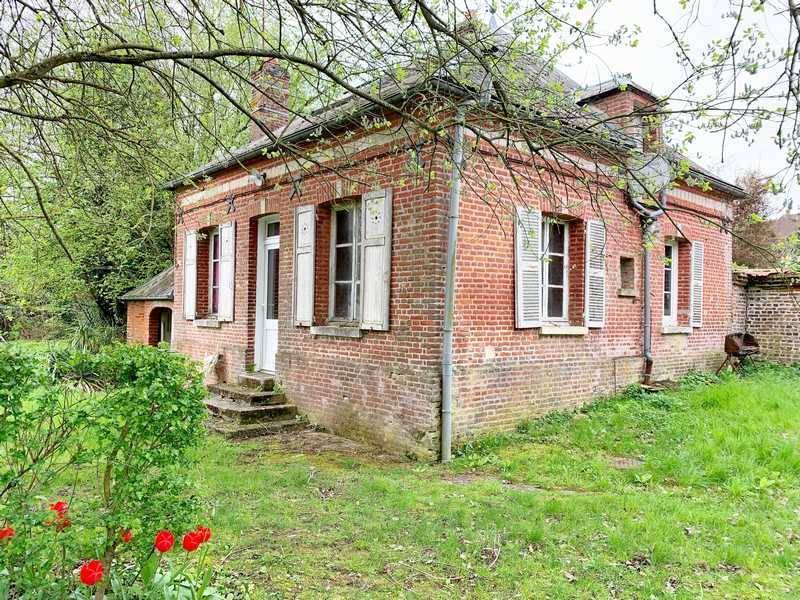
(304,234)
(528,267)
(696,294)
(376,259)
(227,270)
(595,273)
(190,275)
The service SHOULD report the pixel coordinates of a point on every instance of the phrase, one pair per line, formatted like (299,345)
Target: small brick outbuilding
(149,310)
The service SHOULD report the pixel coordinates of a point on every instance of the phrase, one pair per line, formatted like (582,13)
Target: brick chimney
(632,107)
(270,98)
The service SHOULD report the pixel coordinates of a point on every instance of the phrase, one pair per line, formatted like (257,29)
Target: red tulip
(8,532)
(60,508)
(91,572)
(192,541)
(204,532)
(164,541)
(126,536)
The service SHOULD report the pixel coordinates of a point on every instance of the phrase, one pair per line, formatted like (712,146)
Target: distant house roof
(786,225)
(160,287)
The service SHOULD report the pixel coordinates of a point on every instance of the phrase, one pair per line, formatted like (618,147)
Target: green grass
(709,509)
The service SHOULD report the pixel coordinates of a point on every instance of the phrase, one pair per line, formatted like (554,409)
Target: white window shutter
(528,267)
(595,274)
(376,259)
(696,295)
(304,235)
(190,275)
(227,270)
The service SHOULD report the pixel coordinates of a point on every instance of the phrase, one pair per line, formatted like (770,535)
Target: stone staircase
(250,408)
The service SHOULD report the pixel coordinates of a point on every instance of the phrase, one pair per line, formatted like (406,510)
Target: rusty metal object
(738,347)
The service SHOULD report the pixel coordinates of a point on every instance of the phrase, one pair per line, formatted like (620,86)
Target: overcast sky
(652,64)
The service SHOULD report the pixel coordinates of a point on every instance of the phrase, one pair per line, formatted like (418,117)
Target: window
(671,283)
(555,271)
(213,271)
(345,263)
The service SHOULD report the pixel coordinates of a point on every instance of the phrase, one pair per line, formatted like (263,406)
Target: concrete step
(234,431)
(256,381)
(245,395)
(240,413)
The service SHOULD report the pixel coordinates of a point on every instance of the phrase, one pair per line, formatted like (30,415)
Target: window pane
(556,241)
(344,226)
(341,300)
(555,302)
(215,246)
(344,264)
(215,274)
(273,228)
(272,284)
(555,270)
(667,304)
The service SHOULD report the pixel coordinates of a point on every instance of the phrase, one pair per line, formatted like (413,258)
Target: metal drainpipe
(649,219)
(648,227)
(449,288)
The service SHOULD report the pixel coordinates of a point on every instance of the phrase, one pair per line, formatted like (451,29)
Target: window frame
(545,241)
(213,234)
(354,206)
(672,318)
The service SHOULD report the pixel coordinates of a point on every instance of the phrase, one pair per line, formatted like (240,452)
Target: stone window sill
(207,323)
(626,292)
(335,331)
(563,330)
(676,330)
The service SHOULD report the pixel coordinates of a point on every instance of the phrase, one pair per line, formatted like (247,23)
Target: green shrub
(126,447)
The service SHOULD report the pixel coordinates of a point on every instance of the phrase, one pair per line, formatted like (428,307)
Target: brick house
(331,275)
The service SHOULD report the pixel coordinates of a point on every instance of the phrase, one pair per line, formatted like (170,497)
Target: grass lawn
(688,494)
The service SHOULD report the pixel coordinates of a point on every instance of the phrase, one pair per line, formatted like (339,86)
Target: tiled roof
(160,287)
(532,73)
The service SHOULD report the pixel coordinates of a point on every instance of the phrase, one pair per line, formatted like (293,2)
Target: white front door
(267,294)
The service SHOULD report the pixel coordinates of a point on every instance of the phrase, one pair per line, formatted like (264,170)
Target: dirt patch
(473,478)
(313,441)
(624,462)
(466,478)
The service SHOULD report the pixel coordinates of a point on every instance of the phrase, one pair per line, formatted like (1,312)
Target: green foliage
(123,451)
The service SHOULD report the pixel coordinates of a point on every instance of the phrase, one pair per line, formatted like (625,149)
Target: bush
(123,450)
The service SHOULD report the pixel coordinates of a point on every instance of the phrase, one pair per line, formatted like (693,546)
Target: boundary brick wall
(769,308)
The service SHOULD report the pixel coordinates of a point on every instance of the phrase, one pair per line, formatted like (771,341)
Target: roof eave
(719,184)
(259,150)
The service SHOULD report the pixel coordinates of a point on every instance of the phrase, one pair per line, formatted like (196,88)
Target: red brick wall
(142,321)
(505,374)
(384,386)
